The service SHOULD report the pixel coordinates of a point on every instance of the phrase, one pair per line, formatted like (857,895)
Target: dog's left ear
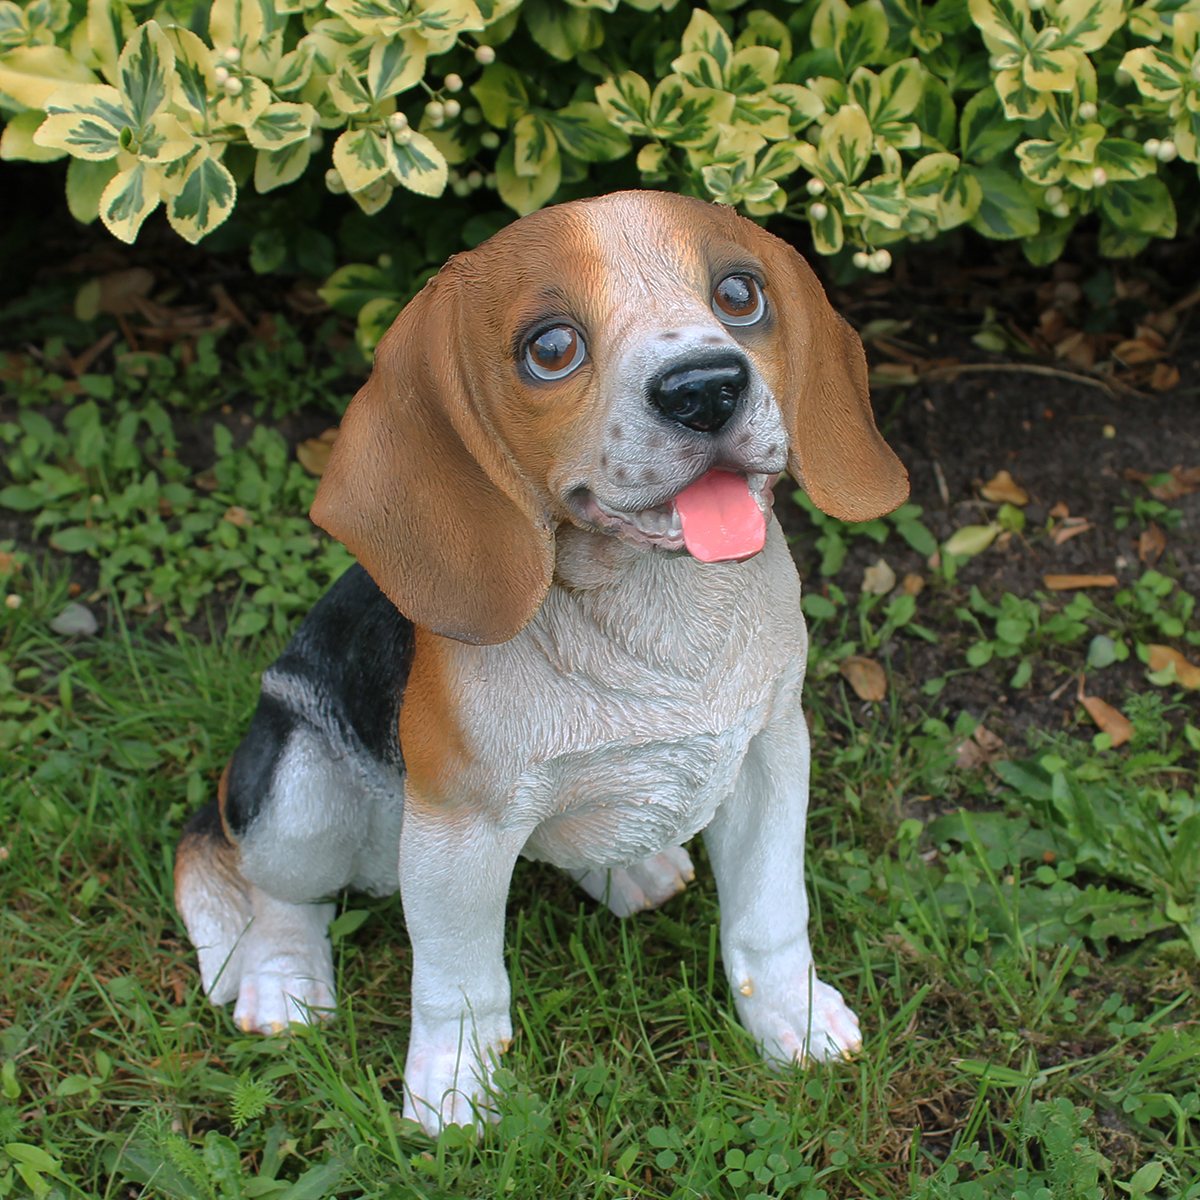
(836,454)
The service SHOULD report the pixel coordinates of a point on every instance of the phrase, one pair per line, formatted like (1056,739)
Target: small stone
(75,620)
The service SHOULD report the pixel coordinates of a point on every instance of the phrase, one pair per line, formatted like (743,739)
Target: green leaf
(534,145)
(420,166)
(1006,210)
(145,73)
(984,132)
(394,66)
(17,140)
(204,199)
(31,75)
(503,97)
(1141,206)
(522,193)
(130,197)
(281,124)
(971,540)
(86,182)
(584,133)
(248,622)
(274,168)
(863,38)
(562,31)
(74,539)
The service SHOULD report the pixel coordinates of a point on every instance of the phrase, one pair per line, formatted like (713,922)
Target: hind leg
(272,956)
(644,885)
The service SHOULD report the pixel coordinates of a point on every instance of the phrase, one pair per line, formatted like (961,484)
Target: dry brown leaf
(865,676)
(1161,657)
(1110,720)
(878,578)
(894,374)
(1077,348)
(1181,481)
(7,563)
(314,453)
(1060,512)
(235,514)
(980,749)
(1067,583)
(1071,527)
(1164,377)
(1003,489)
(1138,350)
(1151,544)
(912,584)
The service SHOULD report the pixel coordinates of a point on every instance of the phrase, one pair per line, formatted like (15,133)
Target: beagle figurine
(575,633)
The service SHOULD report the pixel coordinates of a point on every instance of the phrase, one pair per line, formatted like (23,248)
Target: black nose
(701,395)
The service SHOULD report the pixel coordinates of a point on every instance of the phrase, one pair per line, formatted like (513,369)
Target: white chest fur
(616,723)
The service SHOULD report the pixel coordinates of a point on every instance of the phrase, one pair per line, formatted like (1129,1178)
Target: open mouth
(721,517)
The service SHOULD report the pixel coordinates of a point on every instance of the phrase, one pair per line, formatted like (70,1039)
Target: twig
(1107,385)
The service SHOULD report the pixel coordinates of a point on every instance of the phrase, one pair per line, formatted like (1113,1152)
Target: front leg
(455,869)
(756,844)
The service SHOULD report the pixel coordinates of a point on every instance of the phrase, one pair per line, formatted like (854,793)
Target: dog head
(640,364)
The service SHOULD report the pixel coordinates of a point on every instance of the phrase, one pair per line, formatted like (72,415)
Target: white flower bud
(232,55)
(435,110)
(461,188)
(452,108)
(881,260)
(1061,210)
(489,181)
(334,182)
(1151,146)
(1129,130)
(402,136)
(472,115)
(1088,111)
(862,260)
(818,211)
(221,74)
(397,121)
(1099,177)
(233,86)
(485,55)
(453,83)
(489,139)
(815,186)
(1054,195)
(1167,151)
(475,180)
(1037,5)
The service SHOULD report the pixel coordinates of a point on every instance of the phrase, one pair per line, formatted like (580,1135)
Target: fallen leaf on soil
(7,562)
(118,293)
(1162,657)
(865,676)
(1164,377)
(1003,489)
(878,579)
(1067,583)
(1181,481)
(1069,528)
(912,584)
(894,374)
(1109,719)
(314,452)
(981,748)
(971,540)
(235,514)
(1060,512)
(1151,544)
(1148,347)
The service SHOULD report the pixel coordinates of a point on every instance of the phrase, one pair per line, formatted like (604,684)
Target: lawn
(1005,880)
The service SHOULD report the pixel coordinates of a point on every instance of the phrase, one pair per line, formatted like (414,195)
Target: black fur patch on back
(343,674)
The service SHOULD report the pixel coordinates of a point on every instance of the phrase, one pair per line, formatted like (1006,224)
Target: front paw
(812,1021)
(448,1075)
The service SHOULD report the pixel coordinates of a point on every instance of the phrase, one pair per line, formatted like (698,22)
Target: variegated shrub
(877,122)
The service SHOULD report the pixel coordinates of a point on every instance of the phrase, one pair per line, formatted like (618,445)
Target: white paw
(448,1076)
(809,1024)
(285,990)
(653,881)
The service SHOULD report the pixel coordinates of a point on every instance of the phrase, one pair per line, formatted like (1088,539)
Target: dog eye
(555,352)
(738,300)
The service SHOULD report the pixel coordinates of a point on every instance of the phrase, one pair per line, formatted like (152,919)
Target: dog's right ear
(421,490)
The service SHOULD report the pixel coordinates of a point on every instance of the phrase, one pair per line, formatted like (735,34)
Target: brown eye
(555,352)
(738,300)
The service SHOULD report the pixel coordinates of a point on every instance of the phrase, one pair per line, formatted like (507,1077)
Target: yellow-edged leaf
(30,75)
(17,140)
(420,166)
(520,192)
(203,198)
(363,157)
(130,197)
(274,168)
(281,124)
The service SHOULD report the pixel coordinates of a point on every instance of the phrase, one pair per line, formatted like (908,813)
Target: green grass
(1013,1049)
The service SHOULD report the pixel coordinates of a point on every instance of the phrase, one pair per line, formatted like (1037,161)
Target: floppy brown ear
(422,492)
(836,453)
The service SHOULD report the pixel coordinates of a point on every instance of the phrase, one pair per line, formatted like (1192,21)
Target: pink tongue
(721,521)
